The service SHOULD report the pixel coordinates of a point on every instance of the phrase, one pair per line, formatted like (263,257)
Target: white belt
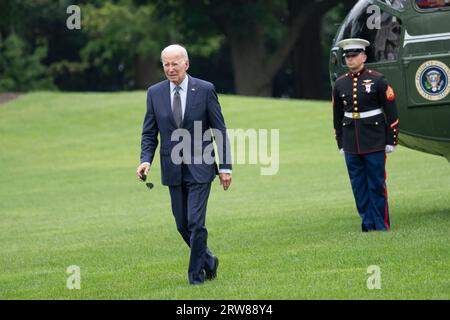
(361,115)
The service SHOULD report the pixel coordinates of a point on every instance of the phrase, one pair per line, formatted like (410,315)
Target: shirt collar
(183,84)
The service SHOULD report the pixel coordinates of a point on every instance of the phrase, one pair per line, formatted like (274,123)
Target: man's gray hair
(177,48)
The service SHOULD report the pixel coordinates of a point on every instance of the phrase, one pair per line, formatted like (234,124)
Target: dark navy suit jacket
(202,105)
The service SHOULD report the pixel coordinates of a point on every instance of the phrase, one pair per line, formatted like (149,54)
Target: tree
(42,25)
(124,42)
(260,33)
(21,68)
(309,56)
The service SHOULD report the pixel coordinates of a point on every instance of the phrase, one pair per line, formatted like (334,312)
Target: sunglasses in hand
(148,184)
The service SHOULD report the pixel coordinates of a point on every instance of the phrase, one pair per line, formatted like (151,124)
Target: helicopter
(410,45)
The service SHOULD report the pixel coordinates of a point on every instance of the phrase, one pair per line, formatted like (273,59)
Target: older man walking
(176,106)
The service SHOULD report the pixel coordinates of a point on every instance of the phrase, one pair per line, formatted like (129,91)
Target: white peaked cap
(353,44)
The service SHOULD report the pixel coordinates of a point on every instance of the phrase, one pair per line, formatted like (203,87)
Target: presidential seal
(432,80)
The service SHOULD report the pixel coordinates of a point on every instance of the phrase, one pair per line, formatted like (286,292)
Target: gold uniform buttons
(356,108)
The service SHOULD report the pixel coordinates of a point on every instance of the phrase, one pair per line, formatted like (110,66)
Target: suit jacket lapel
(168,102)
(190,98)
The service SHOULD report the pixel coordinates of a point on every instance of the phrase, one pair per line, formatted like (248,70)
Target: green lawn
(69,196)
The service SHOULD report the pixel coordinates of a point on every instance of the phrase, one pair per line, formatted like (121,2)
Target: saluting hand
(225,180)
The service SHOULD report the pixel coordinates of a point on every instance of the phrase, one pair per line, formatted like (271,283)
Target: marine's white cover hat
(353,44)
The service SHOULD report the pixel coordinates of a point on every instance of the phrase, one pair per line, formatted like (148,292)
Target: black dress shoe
(365,228)
(198,279)
(212,274)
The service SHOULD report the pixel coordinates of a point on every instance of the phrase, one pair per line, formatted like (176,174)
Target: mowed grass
(69,196)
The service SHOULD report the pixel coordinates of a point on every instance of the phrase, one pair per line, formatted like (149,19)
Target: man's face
(355,61)
(175,66)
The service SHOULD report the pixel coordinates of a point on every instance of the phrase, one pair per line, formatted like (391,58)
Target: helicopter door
(427,74)
(426,64)
(426,57)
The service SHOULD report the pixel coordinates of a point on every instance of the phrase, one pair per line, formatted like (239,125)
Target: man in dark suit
(187,108)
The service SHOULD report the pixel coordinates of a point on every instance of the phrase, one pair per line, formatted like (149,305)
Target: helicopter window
(384,38)
(396,4)
(432,4)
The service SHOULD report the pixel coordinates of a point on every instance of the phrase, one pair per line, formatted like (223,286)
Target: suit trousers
(189,201)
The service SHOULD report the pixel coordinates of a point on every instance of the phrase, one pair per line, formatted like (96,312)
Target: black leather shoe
(212,274)
(198,280)
(367,229)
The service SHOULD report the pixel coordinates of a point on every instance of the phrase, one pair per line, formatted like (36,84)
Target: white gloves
(389,148)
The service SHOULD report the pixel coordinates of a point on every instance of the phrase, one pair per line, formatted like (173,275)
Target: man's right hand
(142,170)
(389,148)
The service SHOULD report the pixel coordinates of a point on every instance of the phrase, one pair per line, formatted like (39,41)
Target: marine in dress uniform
(366,125)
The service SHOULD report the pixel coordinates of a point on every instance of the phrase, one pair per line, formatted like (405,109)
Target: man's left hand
(225,180)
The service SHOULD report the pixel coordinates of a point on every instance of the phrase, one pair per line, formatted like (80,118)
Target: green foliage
(118,33)
(120,39)
(67,67)
(206,19)
(20,68)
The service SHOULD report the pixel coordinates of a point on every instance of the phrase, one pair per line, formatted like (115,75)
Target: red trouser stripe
(386,209)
